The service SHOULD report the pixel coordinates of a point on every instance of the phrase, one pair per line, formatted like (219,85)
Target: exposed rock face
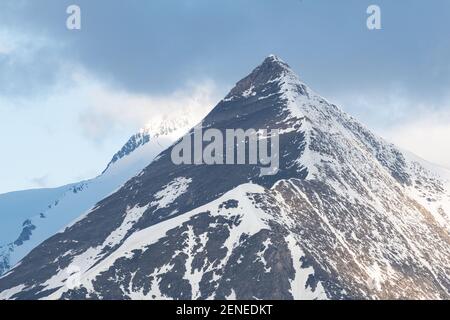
(347,216)
(137,140)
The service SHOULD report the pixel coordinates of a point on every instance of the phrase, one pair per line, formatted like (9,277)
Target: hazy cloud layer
(428,136)
(110,110)
(40,182)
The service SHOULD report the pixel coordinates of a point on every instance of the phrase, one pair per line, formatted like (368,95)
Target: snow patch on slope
(170,192)
(299,288)
(7,294)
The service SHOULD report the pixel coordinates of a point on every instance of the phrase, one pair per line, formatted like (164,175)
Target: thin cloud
(30,65)
(41,182)
(112,110)
(428,136)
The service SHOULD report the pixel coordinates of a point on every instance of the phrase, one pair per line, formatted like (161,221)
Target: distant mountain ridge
(137,140)
(168,127)
(52,209)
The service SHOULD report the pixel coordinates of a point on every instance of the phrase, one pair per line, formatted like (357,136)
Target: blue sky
(70,99)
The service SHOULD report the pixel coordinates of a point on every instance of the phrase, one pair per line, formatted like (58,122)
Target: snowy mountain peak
(273,59)
(167,127)
(347,216)
(272,71)
(137,140)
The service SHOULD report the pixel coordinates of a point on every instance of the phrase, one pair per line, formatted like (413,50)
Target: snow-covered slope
(430,186)
(15,208)
(347,216)
(30,217)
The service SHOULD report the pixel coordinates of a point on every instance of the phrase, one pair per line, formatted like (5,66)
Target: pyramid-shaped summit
(345,217)
(268,90)
(272,69)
